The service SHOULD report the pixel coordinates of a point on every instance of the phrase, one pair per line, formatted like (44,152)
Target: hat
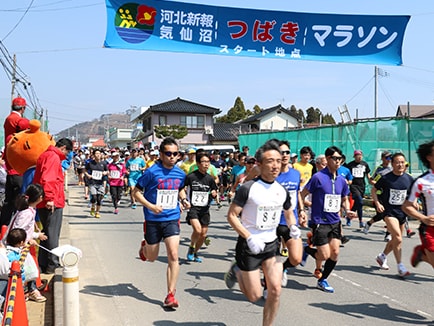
(115,153)
(386,154)
(127,153)
(191,151)
(134,150)
(154,153)
(358,152)
(19,102)
(250,159)
(293,155)
(146,150)
(86,152)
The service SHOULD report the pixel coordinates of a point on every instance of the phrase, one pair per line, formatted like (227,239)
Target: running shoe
(190,254)
(366,228)
(92,211)
(344,239)
(416,258)
(230,276)
(207,241)
(361,225)
(348,222)
(170,301)
(403,272)
(324,286)
(197,259)
(382,262)
(410,233)
(116,211)
(284,278)
(133,206)
(304,258)
(387,237)
(317,273)
(97,215)
(141,254)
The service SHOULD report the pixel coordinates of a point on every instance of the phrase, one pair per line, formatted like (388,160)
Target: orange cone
(15,312)
(3,231)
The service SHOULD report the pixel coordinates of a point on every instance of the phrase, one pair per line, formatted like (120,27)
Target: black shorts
(204,218)
(157,231)
(401,220)
(322,233)
(247,261)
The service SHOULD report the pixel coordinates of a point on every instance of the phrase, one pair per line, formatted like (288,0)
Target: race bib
(199,198)
(96,175)
(332,203)
(293,195)
(168,199)
(115,174)
(268,217)
(358,172)
(397,197)
(134,167)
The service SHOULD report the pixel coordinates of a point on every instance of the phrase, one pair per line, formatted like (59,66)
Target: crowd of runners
(272,195)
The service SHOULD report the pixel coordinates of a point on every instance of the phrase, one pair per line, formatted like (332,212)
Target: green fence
(371,136)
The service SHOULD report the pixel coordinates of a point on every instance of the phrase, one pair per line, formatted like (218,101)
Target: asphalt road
(117,288)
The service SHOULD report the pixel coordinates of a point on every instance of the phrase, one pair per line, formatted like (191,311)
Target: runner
(202,188)
(329,192)
(360,170)
(162,186)
(394,187)
(423,190)
(116,175)
(135,167)
(95,170)
(290,179)
(259,202)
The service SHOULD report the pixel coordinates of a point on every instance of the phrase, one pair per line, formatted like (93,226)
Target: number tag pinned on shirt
(168,199)
(332,203)
(267,217)
(397,196)
(199,198)
(96,175)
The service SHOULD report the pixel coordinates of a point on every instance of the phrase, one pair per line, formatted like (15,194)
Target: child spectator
(16,239)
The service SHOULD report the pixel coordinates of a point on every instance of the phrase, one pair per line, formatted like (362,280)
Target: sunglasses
(286,152)
(170,154)
(336,158)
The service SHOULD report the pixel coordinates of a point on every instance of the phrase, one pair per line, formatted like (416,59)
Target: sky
(59,47)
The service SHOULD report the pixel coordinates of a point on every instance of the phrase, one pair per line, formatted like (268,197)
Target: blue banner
(182,27)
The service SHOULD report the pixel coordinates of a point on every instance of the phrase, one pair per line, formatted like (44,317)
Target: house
(198,118)
(119,137)
(416,111)
(225,134)
(271,119)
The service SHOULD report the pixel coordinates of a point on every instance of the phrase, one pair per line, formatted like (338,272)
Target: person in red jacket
(14,122)
(49,175)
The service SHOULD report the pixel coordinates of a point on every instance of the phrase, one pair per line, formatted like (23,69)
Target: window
(193,121)
(162,120)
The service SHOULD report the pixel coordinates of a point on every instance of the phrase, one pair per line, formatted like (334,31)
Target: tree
(257,109)
(312,115)
(328,119)
(176,131)
(237,112)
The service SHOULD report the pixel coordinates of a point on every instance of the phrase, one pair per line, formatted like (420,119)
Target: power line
(19,21)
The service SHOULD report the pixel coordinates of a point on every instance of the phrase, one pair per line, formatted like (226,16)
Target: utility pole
(375,92)
(14,68)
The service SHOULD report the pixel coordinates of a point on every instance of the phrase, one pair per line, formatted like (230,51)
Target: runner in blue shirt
(163,185)
(329,192)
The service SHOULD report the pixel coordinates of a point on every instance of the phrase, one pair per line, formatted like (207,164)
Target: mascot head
(24,148)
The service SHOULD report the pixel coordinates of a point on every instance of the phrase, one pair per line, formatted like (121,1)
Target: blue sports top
(327,196)
(291,181)
(162,184)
